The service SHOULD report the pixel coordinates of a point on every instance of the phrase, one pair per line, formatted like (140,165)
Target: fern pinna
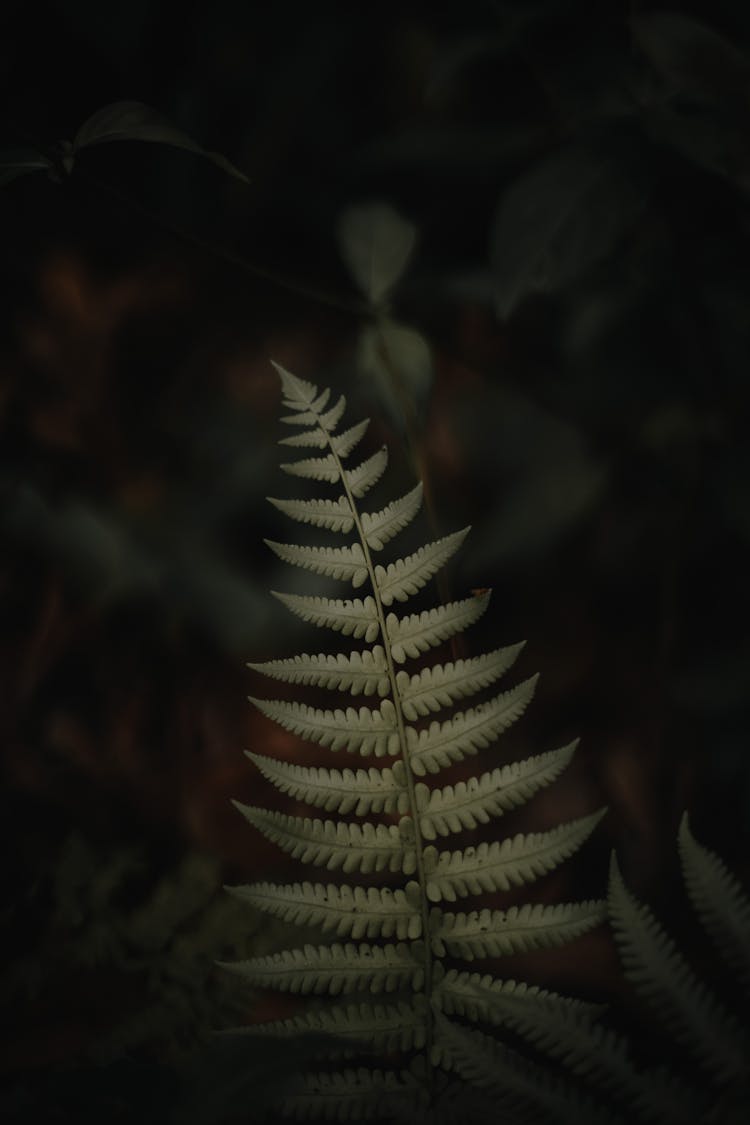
(394,936)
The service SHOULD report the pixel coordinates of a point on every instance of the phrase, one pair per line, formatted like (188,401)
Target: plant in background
(394,936)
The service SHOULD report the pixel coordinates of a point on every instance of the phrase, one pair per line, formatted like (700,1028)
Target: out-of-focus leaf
(376,243)
(398,363)
(694,59)
(134,121)
(21,162)
(557,221)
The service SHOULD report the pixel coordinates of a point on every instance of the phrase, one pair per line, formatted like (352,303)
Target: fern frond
(382,1027)
(718,899)
(344,443)
(334,515)
(440,685)
(355,912)
(495,933)
(412,635)
(380,527)
(344,563)
(513,1080)
(481,997)
(361,479)
(362,672)
(400,580)
(363,731)
(468,731)
(662,976)
(314,468)
(360,791)
(298,392)
(307,439)
(328,843)
(468,803)
(358,1094)
(333,969)
(350,616)
(330,420)
(503,864)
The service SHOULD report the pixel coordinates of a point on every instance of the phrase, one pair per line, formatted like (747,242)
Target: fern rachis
(410,965)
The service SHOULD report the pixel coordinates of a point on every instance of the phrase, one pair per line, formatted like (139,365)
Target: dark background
(579,176)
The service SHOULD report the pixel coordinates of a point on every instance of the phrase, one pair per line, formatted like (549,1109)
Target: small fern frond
(360,791)
(481,997)
(440,685)
(307,439)
(382,1027)
(333,969)
(380,527)
(363,731)
(718,899)
(360,672)
(412,635)
(504,864)
(344,563)
(466,804)
(314,468)
(662,976)
(496,933)
(328,843)
(330,420)
(350,616)
(400,580)
(351,912)
(334,515)
(435,747)
(362,479)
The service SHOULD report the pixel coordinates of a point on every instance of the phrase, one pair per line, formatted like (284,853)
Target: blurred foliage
(560,339)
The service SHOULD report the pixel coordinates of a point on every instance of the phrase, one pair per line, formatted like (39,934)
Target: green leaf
(557,221)
(397,361)
(134,121)
(376,243)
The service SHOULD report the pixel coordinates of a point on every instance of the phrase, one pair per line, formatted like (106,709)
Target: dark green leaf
(134,121)
(695,59)
(557,221)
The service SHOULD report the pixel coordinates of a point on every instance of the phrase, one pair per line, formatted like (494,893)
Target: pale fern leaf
(719,900)
(294,389)
(308,439)
(384,1027)
(361,479)
(314,468)
(363,731)
(334,515)
(344,443)
(440,685)
(661,975)
(380,527)
(361,791)
(350,912)
(330,420)
(400,580)
(468,731)
(497,933)
(360,672)
(344,563)
(466,804)
(412,635)
(333,969)
(500,865)
(352,617)
(481,997)
(332,844)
